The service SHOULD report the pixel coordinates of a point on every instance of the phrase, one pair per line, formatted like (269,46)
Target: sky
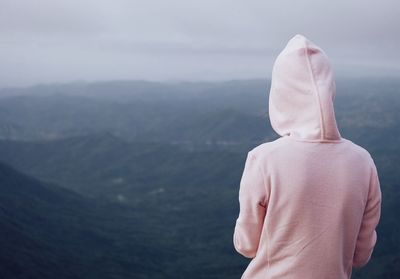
(48,41)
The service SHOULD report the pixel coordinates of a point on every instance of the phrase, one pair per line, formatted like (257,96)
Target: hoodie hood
(302,93)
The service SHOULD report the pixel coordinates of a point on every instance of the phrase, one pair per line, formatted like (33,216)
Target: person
(310,200)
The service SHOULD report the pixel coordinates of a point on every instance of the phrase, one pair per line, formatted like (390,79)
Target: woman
(309,201)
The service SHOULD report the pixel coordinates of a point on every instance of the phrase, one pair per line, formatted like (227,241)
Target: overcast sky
(45,41)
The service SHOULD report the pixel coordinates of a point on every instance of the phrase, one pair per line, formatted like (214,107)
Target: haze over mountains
(140,179)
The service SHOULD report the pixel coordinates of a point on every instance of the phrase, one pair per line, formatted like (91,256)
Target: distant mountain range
(196,113)
(140,180)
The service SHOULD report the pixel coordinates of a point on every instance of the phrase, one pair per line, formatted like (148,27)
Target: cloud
(49,41)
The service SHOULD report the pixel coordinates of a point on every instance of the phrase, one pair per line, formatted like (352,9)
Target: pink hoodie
(309,201)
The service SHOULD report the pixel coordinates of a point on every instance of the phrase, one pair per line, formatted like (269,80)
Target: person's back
(310,200)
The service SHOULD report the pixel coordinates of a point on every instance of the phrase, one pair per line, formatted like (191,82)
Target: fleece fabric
(310,200)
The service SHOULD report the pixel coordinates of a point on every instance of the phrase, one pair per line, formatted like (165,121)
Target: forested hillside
(139,179)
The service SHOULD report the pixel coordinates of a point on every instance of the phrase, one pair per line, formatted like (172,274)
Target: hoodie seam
(321,119)
(315,140)
(259,163)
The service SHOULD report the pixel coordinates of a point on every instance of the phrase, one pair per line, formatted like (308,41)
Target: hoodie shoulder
(361,151)
(266,148)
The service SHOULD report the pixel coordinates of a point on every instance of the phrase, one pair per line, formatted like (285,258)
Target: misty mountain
(195,192)
(104,166)
(134,110)
(196,113)
(50,232)
(155,168)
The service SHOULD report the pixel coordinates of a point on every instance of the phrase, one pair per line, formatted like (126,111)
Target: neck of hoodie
(302,93)
(300,139)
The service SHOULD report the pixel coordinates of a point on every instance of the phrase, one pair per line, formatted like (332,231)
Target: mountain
(50,232)
(194,193)
(107,167)
(136,110)
(183,113)
(155,168)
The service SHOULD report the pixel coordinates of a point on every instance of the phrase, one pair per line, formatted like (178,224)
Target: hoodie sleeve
(367,236)
(252,200)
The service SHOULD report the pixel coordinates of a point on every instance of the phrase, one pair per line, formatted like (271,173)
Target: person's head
(302,92)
